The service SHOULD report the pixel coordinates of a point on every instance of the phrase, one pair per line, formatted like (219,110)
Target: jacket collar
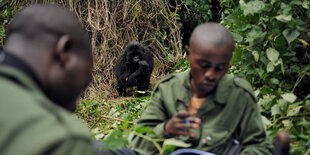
(220,94)
(10,60)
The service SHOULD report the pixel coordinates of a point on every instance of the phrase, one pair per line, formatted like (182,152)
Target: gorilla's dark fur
(134,67)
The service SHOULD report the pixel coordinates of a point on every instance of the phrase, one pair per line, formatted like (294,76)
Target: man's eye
(220,68)
(204,65)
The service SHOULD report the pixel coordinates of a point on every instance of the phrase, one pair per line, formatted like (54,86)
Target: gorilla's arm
(122,72)
(134,77)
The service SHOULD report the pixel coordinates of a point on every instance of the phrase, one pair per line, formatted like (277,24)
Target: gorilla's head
(134,52)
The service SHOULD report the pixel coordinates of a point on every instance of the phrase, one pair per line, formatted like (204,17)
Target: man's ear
(63,46)
(187,49)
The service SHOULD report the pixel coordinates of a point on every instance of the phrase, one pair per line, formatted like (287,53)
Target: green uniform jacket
(31,124)
(230,111)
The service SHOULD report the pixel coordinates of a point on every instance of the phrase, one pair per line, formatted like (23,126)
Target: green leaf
(279,108)
(294,111)
(237,56)
(168,149)
(290,35)
(99,136)
(308,96)
(295,2)
(290,97)
(255,55)
(273,55)
(143,129)
(252,7)
(175,142)
(270,67)
(116,140)
(237,37)
(305,5)
(274,81)
(276,110)
(265,100)
(307,103)
(284,18)
(287,123)
(266,122)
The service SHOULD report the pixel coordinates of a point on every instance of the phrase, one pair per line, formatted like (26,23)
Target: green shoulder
(245,85)
(164,80)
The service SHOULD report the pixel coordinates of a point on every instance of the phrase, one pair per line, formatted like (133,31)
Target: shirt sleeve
(154,117)
(72,146)
(253,135)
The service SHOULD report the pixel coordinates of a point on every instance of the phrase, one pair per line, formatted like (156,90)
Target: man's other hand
(177,125)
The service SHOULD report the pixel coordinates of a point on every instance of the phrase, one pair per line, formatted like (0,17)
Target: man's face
(208,63)
(70,81)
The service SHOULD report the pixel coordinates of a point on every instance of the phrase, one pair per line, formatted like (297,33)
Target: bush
(273,53)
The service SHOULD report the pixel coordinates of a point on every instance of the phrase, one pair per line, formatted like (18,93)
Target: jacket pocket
(216,138)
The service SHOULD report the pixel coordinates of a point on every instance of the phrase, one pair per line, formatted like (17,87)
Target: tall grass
(111,24)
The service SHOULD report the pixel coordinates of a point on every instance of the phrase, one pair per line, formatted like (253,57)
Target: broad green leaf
(189,2)
(293,111)
(237,55)
(308,96)
(279,108)
(143,129)
(252,7)
(270,67)
(256,92)
(266,122)
(273,55)
(95,131)
(276,110)
(305,5)
(116,140)
(168,149)
(255,55)
(274,81)
(265,100)
(175,142)
(284,18)
(237,37)
(303,122)
(296,2)
(99,136)
(290,97)
(290,35)
(307,103)
(287,123)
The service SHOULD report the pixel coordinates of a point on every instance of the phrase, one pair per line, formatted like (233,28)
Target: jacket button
(208,138)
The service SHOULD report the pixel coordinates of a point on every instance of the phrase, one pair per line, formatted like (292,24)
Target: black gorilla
(134,67)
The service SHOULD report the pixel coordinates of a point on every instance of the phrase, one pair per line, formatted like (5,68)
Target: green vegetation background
(272,52)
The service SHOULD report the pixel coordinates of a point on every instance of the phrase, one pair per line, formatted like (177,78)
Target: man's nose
(210,74)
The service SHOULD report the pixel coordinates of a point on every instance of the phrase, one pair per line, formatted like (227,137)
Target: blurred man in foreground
(205,107)
(45,65)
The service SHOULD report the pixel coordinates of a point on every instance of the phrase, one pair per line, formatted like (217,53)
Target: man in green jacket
(228,106)
(45,65)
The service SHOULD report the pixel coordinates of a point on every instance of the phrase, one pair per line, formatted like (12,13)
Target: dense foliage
(6,13)
(272,52)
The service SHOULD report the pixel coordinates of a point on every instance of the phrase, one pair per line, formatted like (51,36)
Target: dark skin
(62,63)
(209,62)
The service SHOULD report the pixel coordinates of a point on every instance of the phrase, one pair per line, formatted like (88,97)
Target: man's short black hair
(214,33)
(47,23)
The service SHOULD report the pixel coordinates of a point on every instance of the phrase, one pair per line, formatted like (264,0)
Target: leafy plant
(6,13)
(273,53)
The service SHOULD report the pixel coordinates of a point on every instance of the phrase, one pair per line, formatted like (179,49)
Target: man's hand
(177,126)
